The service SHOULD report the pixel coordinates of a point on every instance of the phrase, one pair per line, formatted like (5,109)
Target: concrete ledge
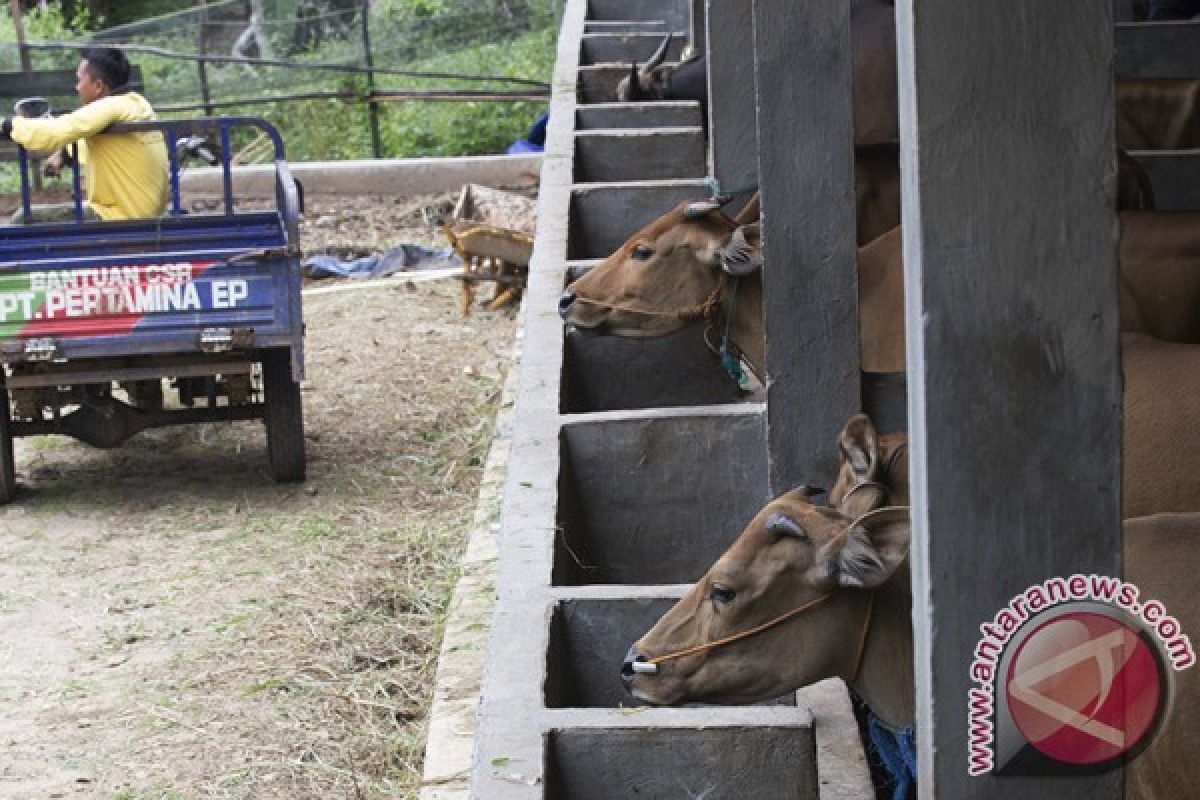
(452,717)
(842,770)
(398,177)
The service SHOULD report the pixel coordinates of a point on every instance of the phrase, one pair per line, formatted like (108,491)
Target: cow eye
(722,595)
(642,253)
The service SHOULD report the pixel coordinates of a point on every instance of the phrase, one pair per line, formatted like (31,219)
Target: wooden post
(373,107)
(697,28)
(27,67)
(732,111)
(15,6)
(1014,385)
(202,66)
(806,169)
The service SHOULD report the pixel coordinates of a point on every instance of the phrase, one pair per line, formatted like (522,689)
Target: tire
(284,418)
(8,471)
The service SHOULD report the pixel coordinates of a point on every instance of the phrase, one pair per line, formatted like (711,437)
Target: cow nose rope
(650,666)
(702,310)
(727,351)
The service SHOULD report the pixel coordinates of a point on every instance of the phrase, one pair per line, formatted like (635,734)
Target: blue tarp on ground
(402,258)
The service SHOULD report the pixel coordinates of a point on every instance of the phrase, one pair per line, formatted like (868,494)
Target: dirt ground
(173,625)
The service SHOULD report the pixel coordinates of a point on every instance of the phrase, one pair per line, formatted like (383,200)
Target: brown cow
(665,277)
(1158,114)
(830,589)
(1161,402)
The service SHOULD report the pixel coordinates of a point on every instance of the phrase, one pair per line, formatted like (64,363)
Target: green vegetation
(509,38)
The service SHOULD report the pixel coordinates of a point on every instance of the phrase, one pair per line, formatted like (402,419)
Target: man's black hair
(108,64)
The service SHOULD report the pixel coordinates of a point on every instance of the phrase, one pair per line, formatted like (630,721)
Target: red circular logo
(1085,688)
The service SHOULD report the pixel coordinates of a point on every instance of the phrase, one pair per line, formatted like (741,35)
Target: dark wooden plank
(732,113)
(1158,49)
(810,283)
(697,26)
(1014,381)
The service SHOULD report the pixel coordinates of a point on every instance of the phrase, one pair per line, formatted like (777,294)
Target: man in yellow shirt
(125,173)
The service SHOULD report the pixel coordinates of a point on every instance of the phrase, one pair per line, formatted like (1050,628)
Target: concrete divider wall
(399,177)
(614,502)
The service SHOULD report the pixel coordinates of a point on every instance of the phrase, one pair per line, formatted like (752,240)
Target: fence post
(373,107)
(202,65)
(806,171)
(15,5)
(1014,377)
(26,66)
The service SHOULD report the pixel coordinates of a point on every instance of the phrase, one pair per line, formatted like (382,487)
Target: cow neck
(745,324)
(884,677)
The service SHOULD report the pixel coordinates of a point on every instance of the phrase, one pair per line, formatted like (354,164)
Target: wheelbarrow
(494,255)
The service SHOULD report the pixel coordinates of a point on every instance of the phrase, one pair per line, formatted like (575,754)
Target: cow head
(649,82)
(664,276)
(793,557)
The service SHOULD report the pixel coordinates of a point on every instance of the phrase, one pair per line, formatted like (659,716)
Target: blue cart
(98,320)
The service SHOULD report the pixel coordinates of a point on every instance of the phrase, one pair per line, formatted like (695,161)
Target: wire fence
(342,78)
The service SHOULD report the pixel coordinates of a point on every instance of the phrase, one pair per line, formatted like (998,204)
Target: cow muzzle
(635,664)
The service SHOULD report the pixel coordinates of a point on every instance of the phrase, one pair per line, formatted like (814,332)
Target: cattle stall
(636,462)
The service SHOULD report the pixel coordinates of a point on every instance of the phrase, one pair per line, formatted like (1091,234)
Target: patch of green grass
(153,793)
(74,690)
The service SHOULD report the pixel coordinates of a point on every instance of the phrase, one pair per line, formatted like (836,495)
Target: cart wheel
(8,476)
(284,418)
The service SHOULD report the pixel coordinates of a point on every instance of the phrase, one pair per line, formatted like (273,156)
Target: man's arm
(46,135)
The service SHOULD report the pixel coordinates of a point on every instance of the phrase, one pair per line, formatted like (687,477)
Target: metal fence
(380,61)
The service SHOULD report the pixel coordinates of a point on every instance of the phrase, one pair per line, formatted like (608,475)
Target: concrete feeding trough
(623,47)
(588,640)
(634,465)
(597,83)
(665,114)
(587,644)
(639,155)
(727,763)
(609,373)
(656,498)
(669,11)
(602,216)
(625,26)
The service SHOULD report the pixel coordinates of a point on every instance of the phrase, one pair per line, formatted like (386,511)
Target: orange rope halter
(703,310)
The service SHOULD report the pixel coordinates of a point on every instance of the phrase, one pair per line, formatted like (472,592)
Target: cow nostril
(629,669)
(565,301)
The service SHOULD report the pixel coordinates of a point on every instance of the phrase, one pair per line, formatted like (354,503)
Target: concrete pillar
(732,137)
(1013,371)
(810,305)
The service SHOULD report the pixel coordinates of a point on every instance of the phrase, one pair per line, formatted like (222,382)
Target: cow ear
(780,524)
(859,446)
(743,254)
(868,553)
